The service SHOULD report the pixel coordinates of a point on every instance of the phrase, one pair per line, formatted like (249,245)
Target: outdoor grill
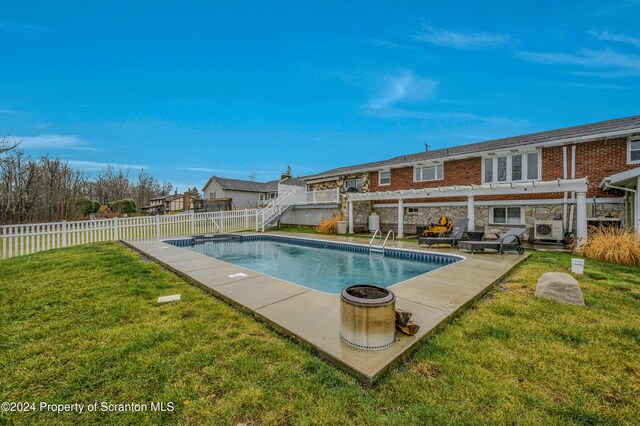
(367,316)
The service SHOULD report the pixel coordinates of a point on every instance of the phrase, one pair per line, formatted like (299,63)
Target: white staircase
(276,209)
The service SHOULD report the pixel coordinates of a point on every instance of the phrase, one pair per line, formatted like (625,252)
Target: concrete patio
(313,318)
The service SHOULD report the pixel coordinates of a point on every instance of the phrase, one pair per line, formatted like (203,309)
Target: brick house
(570,176)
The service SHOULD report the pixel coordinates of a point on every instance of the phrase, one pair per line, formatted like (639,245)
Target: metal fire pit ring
(367,316)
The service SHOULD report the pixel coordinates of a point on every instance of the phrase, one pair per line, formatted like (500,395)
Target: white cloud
(403,87)
(232,173)
(605,59)
(388,43)
(595,86)
(18,26)
(53,141)
(620,38)
(94,166)
(461,40)
(452,117)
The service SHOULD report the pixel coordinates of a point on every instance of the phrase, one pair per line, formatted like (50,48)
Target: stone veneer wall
(425,215)
(339,183)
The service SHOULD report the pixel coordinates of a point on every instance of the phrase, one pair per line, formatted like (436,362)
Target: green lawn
(82,325)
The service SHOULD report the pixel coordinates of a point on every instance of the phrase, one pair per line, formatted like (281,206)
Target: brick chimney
(287,174)
(186,205)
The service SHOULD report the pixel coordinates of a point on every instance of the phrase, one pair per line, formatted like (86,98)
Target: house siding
(595,160)
(599,159)
(339,183)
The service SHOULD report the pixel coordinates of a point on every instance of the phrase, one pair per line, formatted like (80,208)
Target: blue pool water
(323,266)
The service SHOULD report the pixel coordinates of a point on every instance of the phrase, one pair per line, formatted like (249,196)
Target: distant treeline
(47,189)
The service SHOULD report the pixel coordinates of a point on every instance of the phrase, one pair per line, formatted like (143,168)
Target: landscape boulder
(560,287)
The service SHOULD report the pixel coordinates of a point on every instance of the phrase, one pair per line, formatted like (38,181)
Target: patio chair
(509,241)
(456,234)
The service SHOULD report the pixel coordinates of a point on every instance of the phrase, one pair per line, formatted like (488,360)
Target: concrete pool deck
(313,318)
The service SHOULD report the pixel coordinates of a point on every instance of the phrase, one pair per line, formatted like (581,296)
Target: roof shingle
(630,124)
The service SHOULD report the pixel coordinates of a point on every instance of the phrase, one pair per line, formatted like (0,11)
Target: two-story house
(571,175)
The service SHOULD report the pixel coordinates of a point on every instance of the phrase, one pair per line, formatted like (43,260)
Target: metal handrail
(374,237)
(215,223)
(387,237)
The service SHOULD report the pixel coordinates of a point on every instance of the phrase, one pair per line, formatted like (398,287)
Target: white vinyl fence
(18,240)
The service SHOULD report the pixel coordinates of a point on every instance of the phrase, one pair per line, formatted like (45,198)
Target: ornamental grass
(616,245)
(329,225)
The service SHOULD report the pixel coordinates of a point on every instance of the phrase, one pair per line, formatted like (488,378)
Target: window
(533,166)
(516,167)
(412,210)
(502,169)
(634,151)
(488,169)
(212,195)
(426,173)
(353,183)
(507,215)
(384,177)
(262,197)
(512,167)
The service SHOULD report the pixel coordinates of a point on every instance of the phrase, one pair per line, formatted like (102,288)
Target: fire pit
(367,316)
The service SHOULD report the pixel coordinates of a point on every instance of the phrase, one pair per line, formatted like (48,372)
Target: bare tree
(6,146)
(48,189)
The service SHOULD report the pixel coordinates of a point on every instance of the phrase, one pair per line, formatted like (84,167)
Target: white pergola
(629,182)
(579,186)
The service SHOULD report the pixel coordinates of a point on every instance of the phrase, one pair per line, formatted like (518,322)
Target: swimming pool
(320,265)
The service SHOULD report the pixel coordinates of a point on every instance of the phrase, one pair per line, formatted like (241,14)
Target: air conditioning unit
(548,230)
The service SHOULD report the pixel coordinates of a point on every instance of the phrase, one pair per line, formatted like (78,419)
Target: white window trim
(634,139)
(345,186)
(522,215)
(409,212)
(436,165)
(380,177)
(494,161)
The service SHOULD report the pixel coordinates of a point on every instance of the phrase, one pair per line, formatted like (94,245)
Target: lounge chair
(456,235)
(509,241)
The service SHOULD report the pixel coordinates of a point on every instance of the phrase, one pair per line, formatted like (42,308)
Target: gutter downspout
(565,219)
(573,194)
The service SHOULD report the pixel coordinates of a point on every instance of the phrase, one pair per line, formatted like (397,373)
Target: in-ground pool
(320,265)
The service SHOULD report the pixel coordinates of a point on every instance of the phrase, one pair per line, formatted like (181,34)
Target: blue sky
(229,88)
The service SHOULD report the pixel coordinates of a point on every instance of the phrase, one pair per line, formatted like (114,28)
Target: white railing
(325,196)
(275,209)
(18,240)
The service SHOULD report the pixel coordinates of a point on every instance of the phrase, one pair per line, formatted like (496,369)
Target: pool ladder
(380,250)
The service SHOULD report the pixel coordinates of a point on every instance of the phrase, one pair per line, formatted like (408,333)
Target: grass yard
(82,325)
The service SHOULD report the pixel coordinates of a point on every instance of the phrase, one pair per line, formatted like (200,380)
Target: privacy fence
(18,240)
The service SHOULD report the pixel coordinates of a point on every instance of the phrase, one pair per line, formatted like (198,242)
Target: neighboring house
(170,203)
(245,194)
(502,182)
